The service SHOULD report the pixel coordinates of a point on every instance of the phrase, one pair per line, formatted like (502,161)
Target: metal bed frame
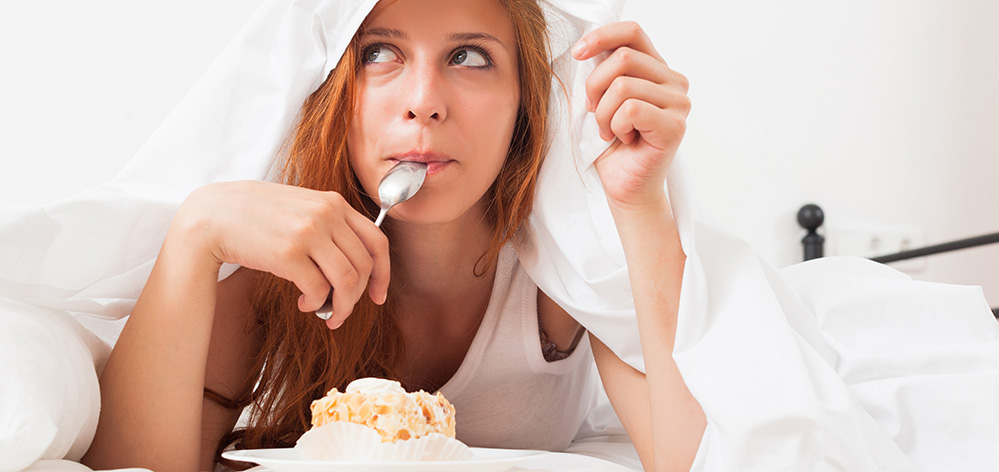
(811,217)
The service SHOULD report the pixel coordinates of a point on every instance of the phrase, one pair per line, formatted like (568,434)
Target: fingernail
(579,48)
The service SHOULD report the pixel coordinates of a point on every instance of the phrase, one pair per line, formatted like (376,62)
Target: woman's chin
(425,213)
(420,220)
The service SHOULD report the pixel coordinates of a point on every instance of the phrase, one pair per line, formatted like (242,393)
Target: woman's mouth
(435,162)
(437,166)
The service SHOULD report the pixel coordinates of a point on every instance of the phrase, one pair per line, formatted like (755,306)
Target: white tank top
(506,395)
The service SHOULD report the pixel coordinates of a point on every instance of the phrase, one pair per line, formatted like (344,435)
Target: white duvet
(836,364)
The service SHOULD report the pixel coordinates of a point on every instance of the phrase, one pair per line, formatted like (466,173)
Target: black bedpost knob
(811,217)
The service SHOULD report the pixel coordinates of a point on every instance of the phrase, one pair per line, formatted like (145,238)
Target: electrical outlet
(879,241)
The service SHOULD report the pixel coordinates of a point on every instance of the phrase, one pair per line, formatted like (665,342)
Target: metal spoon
(399,184)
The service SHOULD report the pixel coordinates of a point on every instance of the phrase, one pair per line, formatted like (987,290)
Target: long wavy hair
(301,359)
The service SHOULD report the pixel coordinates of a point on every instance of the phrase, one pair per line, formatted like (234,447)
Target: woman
(463,86)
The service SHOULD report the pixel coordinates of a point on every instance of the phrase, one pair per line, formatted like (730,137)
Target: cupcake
(377,420)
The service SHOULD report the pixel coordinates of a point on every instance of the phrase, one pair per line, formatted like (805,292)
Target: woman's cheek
(361,148)
(499,110)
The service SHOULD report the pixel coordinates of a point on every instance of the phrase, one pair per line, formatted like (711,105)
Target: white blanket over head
(829,365)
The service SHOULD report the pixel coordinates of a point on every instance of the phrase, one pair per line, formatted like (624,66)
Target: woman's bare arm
(641,106)
(152,385)
(182,333)
(232,352)
(661,416)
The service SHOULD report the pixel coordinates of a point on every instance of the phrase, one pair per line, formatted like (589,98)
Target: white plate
(290,460)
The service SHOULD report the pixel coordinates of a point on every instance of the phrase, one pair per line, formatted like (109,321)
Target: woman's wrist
(190,239)
(654,205)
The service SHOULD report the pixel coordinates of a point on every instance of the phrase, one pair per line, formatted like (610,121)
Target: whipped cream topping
(386,407)
(375,386)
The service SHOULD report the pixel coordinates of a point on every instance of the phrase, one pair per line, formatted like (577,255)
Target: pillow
(49,394)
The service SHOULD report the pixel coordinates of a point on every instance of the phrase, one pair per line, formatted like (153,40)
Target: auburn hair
(300,358)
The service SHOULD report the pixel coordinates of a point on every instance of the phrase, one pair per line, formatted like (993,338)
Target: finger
(627,62)
(613,36)
(342,276)
(311,235)
(630,88)
(624,62)
(305,274)
(377,246)
(375,264)
(334,323)
(346,289)
(349,243)
(661,128)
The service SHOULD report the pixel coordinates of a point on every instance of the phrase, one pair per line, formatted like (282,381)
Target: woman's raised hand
(637,99)
(314,239)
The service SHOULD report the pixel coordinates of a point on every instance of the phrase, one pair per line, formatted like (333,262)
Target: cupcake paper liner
(346,441)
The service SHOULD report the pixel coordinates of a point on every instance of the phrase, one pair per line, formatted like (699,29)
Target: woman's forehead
(454,20)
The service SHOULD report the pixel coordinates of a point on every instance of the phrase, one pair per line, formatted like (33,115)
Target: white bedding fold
(835,364)
(49,394)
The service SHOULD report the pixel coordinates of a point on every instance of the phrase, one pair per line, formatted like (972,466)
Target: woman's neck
(434,265)
(438,301)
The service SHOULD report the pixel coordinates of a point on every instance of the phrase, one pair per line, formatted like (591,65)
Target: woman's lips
(433,166)
(437,166)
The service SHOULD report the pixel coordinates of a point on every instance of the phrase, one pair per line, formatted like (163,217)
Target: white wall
(881,112)
(84,84)
(884,113)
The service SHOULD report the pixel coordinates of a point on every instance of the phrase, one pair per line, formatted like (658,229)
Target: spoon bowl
(399,184)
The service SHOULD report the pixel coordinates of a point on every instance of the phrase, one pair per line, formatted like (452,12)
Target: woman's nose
(424,115)
(426,97)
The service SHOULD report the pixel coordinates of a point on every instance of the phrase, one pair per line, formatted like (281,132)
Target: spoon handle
(381,216)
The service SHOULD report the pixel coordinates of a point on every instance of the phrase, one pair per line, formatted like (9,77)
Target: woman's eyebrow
(453,37)
(477,36)
(386,32)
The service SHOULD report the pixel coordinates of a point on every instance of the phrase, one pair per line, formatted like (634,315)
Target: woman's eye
(377,54)
(470,58)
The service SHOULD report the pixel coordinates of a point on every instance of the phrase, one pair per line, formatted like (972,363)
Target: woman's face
(438,83)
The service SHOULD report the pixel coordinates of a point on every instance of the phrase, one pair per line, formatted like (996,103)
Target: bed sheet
(70,466)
